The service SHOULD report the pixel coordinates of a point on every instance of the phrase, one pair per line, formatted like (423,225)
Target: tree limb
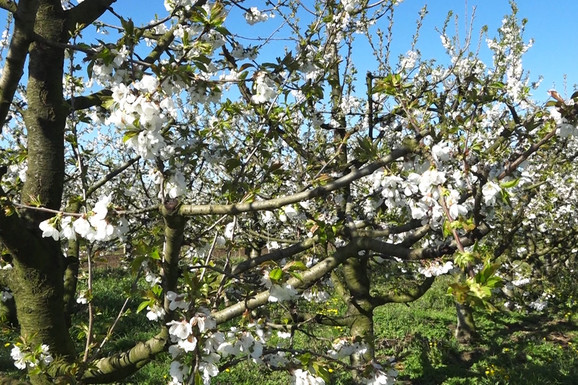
(275,255)
(353,175)
(306,279)
(84,102)
(85,13)
(121,365)
(24,20)
(9,5)
(403,295)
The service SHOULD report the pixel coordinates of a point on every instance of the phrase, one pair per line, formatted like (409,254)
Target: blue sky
(554,54)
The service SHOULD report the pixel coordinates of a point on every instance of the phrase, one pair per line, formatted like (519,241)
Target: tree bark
(466,327)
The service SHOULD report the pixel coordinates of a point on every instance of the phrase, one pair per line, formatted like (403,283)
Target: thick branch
(275,255)
(174,229)
(408,254)
(9,5)
(307,279)
(355,174)
(84,102)
(121,365)
(85,13)
(24,20)
(403,295)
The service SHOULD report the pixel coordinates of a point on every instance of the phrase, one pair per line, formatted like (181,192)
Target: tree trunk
(466,327)
(360,310)
(37,280)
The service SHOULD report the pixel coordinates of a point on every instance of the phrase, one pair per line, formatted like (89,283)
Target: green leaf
(510,183)
(143,305)
(276,274)
(128,135)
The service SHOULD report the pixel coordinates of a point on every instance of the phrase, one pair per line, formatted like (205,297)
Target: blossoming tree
(187,143)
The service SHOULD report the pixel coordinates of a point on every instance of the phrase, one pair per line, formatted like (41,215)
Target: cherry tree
(245,182)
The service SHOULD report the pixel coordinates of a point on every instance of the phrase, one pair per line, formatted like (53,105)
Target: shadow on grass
(512,349)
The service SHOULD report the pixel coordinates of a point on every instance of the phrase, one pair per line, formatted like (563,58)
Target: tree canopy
(246,178)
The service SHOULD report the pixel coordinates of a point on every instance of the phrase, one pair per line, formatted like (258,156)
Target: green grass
(513,348)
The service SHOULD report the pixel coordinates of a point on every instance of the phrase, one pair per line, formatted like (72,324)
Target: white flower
(430,178)
(349,5)
(147,143)
(284,335)
(264,91)
(176,301)
(229,230)
(83,228)
(18,357)
(303,377)
(45,356)
(441,152)
(253,16)
(208,370)
(434,269)
(147,83)
(178,371)
(382,378)
(204,321)
(490,193)
(279,294)
(67,228)
(189,344)
(176,185)
(539,304)
(179,330)
(100,208)
(82,298)
(454,207)
(409,60)
(155,312)
(48,229)
(521,282)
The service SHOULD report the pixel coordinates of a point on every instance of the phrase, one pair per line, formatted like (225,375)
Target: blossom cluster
(94,226)
(31,358)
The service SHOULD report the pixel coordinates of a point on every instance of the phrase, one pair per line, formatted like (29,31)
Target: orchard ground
(515,347)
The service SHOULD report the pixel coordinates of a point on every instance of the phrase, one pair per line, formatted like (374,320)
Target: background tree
(187,148)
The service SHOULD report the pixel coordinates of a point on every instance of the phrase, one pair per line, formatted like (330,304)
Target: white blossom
(303,377)
(253,16)
(264,90)
(490,192)
(282,293)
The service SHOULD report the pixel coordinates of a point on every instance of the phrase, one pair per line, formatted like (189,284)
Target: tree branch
(85,13)
(403,295)
(9,5)
(275,255)
(121,365)
(306,279)
(405,253)
(24,20)
(355,174)
(84,102)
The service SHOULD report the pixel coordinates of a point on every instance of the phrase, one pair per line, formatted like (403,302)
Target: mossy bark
(38,267)
(466,327)
(360,309)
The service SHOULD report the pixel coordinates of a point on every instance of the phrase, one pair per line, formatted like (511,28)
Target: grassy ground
(513,348)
